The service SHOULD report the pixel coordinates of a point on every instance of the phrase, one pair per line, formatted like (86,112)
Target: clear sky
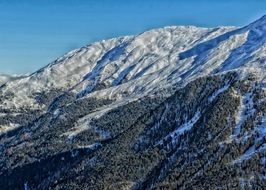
(36,32)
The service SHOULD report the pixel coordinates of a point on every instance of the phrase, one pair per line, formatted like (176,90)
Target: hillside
(179,107)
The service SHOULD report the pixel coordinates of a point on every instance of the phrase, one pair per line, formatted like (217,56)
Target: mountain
(6,78)
(178,107)
(3,79)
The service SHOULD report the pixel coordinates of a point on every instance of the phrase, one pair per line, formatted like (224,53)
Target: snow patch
(246,109)
(261,133)
(181,129)
(26,187)
(91,146)
(6,128)
(219,91)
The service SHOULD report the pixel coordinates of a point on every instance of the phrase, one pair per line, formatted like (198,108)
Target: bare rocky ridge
(171,108)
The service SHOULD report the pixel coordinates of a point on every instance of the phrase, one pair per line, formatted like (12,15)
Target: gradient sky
(36,32)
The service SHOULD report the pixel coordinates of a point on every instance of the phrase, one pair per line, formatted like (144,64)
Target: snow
(263,161)
(122,75)
(246,109)
(4,79)
(182,129)
(261,133)
(262,127)
(219,91)
(56,113)
(82,69)
(6,128)
(26,187)
(187,126)
(141,64)
(250,152)
(91,146)
(104,134)
(84,123)
(239,56)
(158,124)
(108,57)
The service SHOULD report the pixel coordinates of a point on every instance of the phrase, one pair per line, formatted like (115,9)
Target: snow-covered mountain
(176,107)
(3,79)
(6,78)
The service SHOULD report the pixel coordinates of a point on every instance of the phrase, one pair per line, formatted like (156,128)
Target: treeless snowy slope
(111,62)
(148,61)
(7,78)
(4,79)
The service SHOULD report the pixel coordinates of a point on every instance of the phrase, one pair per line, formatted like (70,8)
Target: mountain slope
(171,108)
(6,78)
(3,79)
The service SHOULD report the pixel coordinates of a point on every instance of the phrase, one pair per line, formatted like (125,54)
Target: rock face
(171,108)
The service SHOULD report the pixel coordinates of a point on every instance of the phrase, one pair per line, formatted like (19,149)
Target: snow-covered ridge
(148,61)
(5,78)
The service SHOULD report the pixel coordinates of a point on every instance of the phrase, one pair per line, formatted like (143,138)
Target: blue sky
(35,32)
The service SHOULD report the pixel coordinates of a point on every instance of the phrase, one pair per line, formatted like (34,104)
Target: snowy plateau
(179,107)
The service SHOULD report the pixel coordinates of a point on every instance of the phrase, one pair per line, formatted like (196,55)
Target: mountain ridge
(170,108)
